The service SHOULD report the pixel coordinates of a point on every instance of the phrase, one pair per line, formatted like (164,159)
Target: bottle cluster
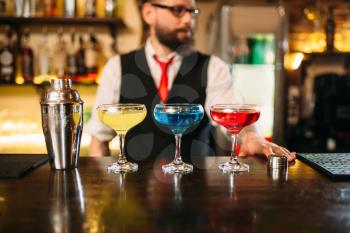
(60,8)
(79,58)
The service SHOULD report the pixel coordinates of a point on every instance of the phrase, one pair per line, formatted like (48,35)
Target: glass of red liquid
(234,117)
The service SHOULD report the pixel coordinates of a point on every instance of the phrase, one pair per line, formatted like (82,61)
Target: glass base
(122,167)
(177,168)
(233,167)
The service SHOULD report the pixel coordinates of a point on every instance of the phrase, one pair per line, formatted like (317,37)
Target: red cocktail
(234,117)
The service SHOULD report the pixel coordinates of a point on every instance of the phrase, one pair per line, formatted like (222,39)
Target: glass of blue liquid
(178,118)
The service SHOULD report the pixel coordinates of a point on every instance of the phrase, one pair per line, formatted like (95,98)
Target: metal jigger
(62,122)
(277,168)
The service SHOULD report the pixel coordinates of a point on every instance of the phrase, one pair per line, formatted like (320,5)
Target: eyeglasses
(178,11)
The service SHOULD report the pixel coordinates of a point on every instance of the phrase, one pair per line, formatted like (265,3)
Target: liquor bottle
(39,8)
(13,40)
(19,7)
(26,8)
(100,8)
(81,8)
(60,7)
(60,55)
(81,59)
(7,60)
(44,59)
(50,7)
(91,60)
(119,8)
(110,8)
(15,46)
(27,59)
(69,8)
(90,10)
(10,8)
(330,30)
(33,7)
(3,7)
(71,68)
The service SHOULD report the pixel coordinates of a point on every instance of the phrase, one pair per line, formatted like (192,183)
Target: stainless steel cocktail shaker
(62,122)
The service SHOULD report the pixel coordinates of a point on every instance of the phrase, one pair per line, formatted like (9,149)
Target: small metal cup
(277,168)
(276,161)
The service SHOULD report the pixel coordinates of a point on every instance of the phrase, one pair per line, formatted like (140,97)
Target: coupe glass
(121,118)
(178,117)
(234,117)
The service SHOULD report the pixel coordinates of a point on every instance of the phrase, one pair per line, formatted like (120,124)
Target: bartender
(169,70)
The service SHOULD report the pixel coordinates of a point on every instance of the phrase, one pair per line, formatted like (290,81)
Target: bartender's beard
(171,39)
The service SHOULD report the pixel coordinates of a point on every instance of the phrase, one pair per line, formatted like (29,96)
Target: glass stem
(234,146)
(122,158)
(178,159)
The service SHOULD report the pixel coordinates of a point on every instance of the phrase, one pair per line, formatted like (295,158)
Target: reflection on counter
(123,211)
(278,175)
(63,186)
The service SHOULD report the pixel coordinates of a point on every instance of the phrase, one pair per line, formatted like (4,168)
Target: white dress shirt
(220,88)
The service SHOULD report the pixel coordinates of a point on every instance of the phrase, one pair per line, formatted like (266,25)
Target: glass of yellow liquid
(121,118)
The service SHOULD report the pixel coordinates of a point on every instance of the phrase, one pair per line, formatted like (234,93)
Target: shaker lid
(61,92)
(277,161)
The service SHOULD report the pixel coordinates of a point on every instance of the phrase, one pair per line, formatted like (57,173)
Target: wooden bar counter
(89,199)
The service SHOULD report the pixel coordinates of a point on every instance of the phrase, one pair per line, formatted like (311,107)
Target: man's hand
(255,144)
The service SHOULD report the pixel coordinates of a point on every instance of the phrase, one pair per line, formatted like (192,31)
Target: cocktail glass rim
(242,106)
(120,105)
(178,105)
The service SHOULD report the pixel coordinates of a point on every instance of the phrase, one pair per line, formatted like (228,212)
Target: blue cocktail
(178,118)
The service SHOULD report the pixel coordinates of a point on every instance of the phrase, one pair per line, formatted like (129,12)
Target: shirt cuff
(100,131)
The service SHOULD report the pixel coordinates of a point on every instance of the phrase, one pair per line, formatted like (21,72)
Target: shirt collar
(151,52)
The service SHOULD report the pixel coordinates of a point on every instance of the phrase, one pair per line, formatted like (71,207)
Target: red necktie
(163,85)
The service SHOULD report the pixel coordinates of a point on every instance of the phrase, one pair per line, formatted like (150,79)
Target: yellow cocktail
(121,118)
(122,121)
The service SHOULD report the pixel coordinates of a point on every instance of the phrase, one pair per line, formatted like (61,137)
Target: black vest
(149,139)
